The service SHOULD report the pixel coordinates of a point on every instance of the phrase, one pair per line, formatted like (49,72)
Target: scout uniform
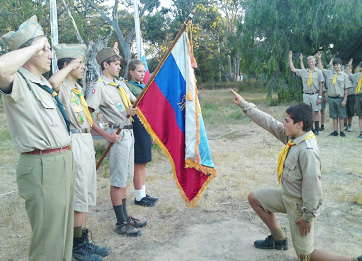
(311,81)
(301,193)
(105,95)
(336,84)
(45,172)
(80,124)
(356,80)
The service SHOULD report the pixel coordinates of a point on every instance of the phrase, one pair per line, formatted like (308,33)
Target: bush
(251,84)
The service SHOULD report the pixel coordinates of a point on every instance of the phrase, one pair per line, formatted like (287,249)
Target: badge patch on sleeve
(94,90)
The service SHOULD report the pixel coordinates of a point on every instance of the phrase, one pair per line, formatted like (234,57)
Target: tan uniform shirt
(302,167)
(34,119)
(107,98)
(72,105)
(342,83)
(355,79)
(317,77)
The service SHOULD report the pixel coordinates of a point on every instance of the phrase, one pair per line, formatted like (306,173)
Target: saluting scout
(39,128)
(114,99)
(312,80)
(71,68)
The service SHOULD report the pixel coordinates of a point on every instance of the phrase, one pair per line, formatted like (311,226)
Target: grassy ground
(245,157)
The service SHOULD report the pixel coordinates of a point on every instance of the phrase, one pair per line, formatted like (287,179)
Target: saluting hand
(237,99)
(74,64)
(41,46)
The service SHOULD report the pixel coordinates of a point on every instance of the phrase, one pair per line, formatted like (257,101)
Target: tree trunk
(229,68)
(235,71)
(93,70)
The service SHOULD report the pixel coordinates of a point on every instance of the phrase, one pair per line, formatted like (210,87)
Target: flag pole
(155,72)
(137,29)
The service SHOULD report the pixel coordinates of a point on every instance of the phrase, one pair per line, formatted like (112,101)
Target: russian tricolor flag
(171,113)
(147,70)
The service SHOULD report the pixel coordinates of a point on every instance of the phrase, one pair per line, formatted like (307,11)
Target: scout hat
(104,54)
(27,30)
(76,51)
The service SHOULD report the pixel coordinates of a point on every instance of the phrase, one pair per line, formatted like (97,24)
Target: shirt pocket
(290,171)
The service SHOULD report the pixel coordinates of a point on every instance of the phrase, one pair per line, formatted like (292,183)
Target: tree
(271,28)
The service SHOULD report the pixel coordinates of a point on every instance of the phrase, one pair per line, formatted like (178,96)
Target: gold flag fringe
(154,136)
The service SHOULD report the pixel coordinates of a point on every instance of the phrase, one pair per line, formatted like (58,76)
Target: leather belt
(125,127)
(49,151)
(310,93)
(85,130)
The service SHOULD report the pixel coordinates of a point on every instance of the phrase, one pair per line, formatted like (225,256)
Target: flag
(170,112)
(143,59)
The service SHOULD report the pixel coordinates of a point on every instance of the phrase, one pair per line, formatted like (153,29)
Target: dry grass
(245,157)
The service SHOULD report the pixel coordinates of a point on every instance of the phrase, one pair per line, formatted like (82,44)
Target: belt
(125,127)
(310,93)
(85,130)
(333,97)
(49,151)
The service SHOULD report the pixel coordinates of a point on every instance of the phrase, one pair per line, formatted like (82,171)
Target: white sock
(138,194)
(144,190)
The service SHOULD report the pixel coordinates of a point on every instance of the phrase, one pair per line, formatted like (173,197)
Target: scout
(312,80)
(71,68)
(39,128)
(113,98)
(299,172)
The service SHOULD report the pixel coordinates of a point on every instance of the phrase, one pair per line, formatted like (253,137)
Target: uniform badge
(80,119)
(94,90)
(77,108)
(77,100)
(119,106)
(72,98)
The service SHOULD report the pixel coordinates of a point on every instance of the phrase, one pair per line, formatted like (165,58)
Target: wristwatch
(320,97)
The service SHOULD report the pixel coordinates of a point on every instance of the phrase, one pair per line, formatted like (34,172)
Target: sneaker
(322,128)
(349,128)
(360,136)
(359,258)
(127,229)
(342,134)
(101,251)
(136,222)
(345,127)
(82,253)
(316,132)
(151,198)
(144,202)
(334,133)
(271,243)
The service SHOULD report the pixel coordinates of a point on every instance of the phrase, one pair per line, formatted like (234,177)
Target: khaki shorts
(358,104)
(85,171)
(335,108)
(121,159)
(273,200)
(311,99)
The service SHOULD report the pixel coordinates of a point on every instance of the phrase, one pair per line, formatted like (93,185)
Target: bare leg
(322,117)
(349,120)
(341,122)
(268,218)
(316,116)
(79,219)
(139,178)
(360,122)
(117,194)
(335,124)
(325,255)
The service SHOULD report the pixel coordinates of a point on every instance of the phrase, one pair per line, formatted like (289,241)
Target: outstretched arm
(319,61)
(301,61)
(292,68)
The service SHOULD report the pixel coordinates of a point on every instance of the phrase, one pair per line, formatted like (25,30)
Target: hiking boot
(82,253)
(360,136)
(345,127)
(127,229)
(271,243)
(316,132)
(144,202)
(151,198)
(349,128)
(334,133)
(342,134)
(136,222)
(322,128)
(101,251)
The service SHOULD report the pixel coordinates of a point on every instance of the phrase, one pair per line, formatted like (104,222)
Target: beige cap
(104,54)
(76,51)
(27,30)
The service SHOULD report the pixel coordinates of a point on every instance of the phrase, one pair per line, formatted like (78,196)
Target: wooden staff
(183,28)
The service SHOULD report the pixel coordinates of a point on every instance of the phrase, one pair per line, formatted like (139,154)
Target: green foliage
(271,28)
(252,84)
